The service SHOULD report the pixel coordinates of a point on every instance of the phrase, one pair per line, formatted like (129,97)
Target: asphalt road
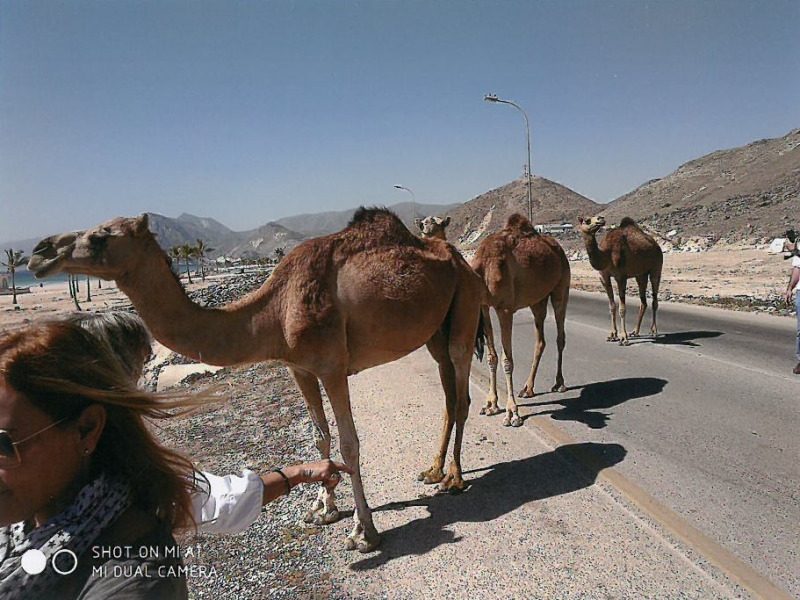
(709,416)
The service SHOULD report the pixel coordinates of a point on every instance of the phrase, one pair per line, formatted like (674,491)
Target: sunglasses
(9,453)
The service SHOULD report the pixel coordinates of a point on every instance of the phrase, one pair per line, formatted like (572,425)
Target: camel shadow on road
(598,396)
(499,490)
(678,338)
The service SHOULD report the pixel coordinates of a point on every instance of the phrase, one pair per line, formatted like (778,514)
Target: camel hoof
(320,516)
(624,342)
(453,484)
(559,388)
(363,542)
(526,392)
(612,338)
(490,410)
(431,476)
(516,421)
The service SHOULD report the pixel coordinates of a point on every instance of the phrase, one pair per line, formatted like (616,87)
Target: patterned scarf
(97,505)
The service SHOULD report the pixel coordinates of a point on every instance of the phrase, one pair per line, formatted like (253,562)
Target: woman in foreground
(82,479)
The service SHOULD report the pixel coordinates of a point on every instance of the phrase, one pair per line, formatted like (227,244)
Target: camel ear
(580,220)
(141,224)
(445,222)
(418,223)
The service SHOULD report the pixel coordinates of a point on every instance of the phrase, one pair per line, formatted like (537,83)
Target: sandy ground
(729,272)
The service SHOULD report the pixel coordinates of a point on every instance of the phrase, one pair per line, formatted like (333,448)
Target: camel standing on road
(520,268)
(334,306)
(624,252)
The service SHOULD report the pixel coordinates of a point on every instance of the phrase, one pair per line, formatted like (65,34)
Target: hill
(552,203)
(749,193)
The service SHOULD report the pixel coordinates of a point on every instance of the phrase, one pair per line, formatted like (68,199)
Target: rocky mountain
(742,194)
(187,229)
(264,241)
(551,201)
(328,222)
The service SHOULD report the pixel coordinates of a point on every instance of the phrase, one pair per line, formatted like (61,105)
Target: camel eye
(99,239)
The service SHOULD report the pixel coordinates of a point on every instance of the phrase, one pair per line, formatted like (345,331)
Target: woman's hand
(326,471)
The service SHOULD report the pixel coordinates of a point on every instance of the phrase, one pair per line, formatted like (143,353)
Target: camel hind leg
(641,281)
(324,510)
(464,317)
(655,282)
(506,318)
(437,346)
(539,315)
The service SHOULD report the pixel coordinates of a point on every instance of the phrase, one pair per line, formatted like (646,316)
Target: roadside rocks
(230,289)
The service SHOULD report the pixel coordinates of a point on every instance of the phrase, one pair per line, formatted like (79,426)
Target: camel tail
(480,338)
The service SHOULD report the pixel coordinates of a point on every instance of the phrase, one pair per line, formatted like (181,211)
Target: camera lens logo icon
(34,562)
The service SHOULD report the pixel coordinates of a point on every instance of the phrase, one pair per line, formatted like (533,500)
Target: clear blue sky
(250,111)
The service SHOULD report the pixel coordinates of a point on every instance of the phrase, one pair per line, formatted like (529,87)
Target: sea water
(24,278)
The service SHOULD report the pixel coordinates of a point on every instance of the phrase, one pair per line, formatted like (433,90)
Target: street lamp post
(413,199)
(495,99)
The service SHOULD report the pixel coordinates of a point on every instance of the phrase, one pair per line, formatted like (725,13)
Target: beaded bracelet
(285,479)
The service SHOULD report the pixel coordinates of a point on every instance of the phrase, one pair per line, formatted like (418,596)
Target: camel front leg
(364,537)
(560,301)
(490,408)
(539,315)
(641,282)
(437,346)
(622,284)
(655,282)
(323,511)
(506,318)
(612,307)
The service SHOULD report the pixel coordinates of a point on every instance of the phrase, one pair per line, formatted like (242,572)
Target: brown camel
(334,306)
(521,267)
(624,252)
(433,227)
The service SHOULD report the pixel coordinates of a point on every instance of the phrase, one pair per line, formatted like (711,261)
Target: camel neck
(597,258)
(246,331)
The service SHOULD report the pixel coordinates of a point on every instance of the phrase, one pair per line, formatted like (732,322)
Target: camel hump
(627,221)
(379,224)
(519,223)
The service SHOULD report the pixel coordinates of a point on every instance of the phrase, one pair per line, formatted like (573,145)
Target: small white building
(553,227)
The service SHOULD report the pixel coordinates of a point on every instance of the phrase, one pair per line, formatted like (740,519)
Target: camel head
(591,225)
(433,227)
(107,251)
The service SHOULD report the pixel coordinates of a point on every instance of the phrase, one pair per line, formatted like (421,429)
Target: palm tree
(175,256)
(187,251)
(201,250)
(279,254)
(14,259)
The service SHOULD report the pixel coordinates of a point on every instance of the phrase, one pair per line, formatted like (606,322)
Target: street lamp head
(399,187)
(491,98)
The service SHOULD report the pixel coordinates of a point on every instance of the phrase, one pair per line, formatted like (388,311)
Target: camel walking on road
(520,268)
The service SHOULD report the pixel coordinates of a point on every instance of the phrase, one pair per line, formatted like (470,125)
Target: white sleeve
(227,504)
(795,261)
